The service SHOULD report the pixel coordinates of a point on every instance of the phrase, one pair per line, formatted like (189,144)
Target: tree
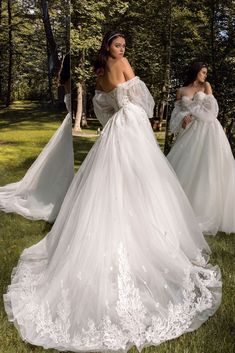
(88,21)
(29,59)
(10,51)
(52,52)
(205,31)
(162,41)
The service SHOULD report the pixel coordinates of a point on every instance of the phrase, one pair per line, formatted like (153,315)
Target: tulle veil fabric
(40,193)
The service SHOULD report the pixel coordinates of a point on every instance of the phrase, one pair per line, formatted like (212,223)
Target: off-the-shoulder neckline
(192,98)
(118,85)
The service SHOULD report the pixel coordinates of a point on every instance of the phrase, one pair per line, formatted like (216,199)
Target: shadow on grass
(93,124)
(27,162)
(18,170)
(10,143)
(82,146)
(29,112)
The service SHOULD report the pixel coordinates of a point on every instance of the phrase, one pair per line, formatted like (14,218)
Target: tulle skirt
(125,262)
(203,161)
(40,193)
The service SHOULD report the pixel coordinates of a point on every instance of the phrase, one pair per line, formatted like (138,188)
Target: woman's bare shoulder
(207,88)
(122,63)
(179,93)
(127,69)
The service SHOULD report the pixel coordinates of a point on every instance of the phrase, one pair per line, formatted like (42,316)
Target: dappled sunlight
(23,115)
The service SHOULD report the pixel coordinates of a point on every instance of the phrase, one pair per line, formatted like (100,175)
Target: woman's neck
(197,84)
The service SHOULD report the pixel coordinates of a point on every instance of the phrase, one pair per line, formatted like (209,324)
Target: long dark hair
(103,54)
(193,71)
(64,74)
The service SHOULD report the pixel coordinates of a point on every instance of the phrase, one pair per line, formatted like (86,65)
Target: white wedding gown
(40,193)
(125,262)
(204,163)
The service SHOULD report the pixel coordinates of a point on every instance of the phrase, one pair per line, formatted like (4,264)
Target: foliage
(30,59)
(163,38)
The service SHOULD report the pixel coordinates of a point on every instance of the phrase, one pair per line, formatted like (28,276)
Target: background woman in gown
(40,193)
(124,263)
(201,156)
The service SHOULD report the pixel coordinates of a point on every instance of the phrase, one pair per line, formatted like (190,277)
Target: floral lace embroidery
(58,330)
(135,325)
(130,309)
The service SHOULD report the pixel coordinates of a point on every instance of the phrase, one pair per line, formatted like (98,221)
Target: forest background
(163,38)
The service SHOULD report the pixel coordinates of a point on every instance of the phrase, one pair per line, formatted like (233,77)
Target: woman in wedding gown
(201,156)
(40,193)
(125,262)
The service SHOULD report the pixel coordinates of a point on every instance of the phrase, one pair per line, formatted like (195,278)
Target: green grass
(25,128)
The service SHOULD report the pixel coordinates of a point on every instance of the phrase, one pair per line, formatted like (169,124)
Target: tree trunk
(49,75)
(168,135)
(157,125)
(212,35)
(68,23)
(78,117)
(54,59)
(1,52)
(10,54)
(84,110)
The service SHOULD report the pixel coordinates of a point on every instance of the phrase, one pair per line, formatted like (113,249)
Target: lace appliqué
(57,330)
(134,324)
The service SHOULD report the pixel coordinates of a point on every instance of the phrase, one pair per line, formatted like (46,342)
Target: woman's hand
(187,120)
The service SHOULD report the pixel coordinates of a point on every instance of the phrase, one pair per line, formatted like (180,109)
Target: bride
(40,193)
(125,262)
(201,156)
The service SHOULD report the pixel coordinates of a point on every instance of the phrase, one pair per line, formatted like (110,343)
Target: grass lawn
(25,128)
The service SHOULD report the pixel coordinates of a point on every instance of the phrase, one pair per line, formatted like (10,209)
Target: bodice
(202,107)
(119,96)
(198,98)
(133,91)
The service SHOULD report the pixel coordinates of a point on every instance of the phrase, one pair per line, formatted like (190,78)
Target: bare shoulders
(179,93)
(120,70)
(117,71)
(125,68)
(207,88)
(124,62)
(188,91)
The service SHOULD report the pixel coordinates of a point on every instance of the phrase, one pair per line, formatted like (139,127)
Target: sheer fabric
(203,161)
(40,193)
(125,262)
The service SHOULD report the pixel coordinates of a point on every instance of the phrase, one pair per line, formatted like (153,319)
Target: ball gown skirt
(125,262)
(40,193)
(204,163)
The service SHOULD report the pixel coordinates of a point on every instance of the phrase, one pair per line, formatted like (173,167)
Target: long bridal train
(125,262)
(204,163)
(40,193)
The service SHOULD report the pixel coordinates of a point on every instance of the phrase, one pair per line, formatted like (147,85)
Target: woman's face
(117,48)
(202,74)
